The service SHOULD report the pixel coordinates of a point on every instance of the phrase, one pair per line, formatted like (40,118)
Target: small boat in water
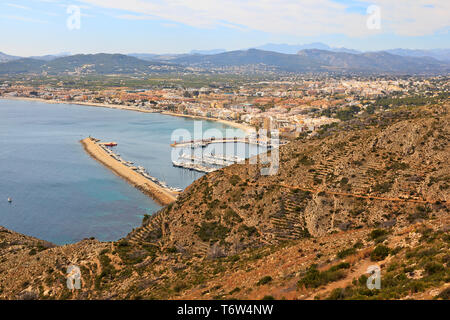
(110,144)
(9,200)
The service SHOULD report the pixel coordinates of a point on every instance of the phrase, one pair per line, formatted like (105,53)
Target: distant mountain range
(101,63)
(6,57)
(293,49)
(314,60)
(438,54)
(213,51)
(50,57)
(306,60)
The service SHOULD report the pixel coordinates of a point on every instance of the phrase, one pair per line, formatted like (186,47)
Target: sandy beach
(91,104)
(159,194)
(244,127)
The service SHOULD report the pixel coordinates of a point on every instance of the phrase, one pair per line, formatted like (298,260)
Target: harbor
(212,159)
(193,166)
(136,175)
(268,143)
(206,163)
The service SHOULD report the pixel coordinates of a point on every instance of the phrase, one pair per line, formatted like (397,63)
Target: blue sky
(37,27)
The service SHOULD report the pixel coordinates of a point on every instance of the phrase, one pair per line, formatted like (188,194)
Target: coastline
(244,127)
(91,104)
(156,192)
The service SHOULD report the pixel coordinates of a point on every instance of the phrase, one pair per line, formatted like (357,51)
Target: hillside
(438,54)
(6,57)
(372,190)
(314,60)
(85,64)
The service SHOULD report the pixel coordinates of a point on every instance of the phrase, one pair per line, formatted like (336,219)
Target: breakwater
(160,193)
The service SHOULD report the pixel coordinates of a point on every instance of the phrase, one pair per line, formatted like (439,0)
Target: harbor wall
(156,192)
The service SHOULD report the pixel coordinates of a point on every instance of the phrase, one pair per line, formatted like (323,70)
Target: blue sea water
(60,194)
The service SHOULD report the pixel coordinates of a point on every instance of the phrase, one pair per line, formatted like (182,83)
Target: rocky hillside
(372,190)
(382,170)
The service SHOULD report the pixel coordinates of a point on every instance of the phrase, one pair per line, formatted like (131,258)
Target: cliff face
(388,172)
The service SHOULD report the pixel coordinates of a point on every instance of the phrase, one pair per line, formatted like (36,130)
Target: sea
(62,195)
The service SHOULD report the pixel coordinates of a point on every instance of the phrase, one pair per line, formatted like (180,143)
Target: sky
(39,27)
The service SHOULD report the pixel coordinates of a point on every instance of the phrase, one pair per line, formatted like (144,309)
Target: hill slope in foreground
(369,191)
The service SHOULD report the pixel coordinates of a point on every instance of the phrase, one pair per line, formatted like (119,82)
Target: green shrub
(212,231)
(346,252)
(179,286)
(231,216)
(382,187)
(304,160)
(379,253)
(315,278)
(378,235)
(264,280)
(342,265)
(433,268)
(235,179)
(249,230)
(340,294)
(235,290)
(171,250)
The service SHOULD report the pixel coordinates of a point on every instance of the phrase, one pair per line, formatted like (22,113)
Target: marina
(264,142)
(206,162)
(193,166)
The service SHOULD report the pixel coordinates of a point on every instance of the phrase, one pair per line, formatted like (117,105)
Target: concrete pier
(160,194)
(206,142)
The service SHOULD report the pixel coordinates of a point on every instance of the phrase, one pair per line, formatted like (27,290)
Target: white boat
(9,200)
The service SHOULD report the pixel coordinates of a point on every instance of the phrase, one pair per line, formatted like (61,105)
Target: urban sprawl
(293,106)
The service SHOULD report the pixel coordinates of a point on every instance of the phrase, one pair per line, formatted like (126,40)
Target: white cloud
(24,19)
(13,5)
(292,17)
(134,17)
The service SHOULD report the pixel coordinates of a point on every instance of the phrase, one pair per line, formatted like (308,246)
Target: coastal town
(295,106)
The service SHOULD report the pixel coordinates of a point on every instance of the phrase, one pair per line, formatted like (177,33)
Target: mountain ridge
(315,60)
(251,60)
(100,63)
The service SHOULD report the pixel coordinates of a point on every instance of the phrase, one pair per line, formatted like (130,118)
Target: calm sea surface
(62,195)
